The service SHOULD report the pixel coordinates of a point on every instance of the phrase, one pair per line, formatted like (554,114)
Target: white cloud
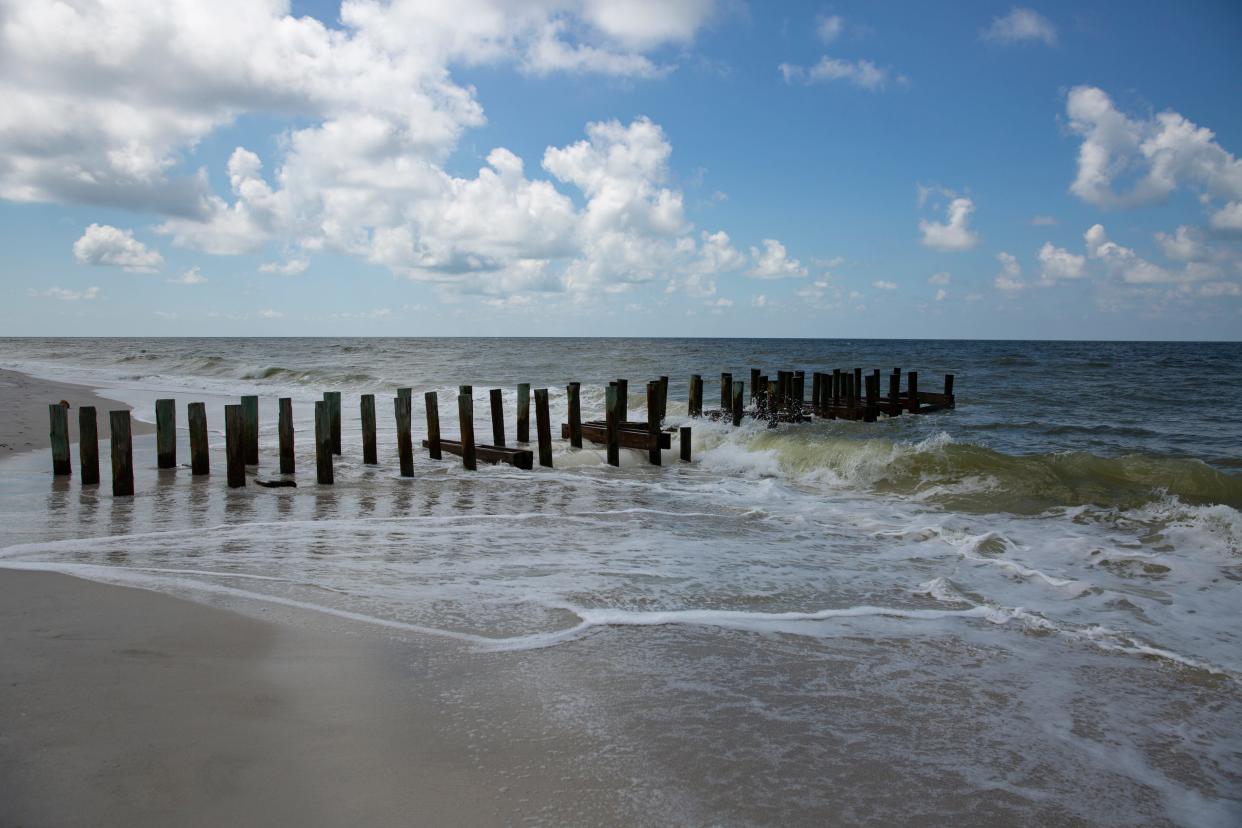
(773,262)
(292,267)
(268,313)
(1185,244)
(103,244)
(189,277)
(829,27)
(941,278)
(1215,289)
(1132,269)
(941,294)
(861,73)
(1057,264)
(881,284)
(67,294)
(1021,25)
(954,234)
(1010,277)
(1158,154)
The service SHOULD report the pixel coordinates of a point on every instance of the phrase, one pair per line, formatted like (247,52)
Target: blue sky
(690,168)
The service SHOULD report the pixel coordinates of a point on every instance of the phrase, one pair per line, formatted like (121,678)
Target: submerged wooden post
(465,419)
(663,398)
(543,427)
(250,429)
(285,428)
(737,407)
(523,412)
(574,390)
(623,400)
(235,444)
(200,455)
(333,399)
(402,409)
(166,434)
(366,405)
(498,417)
(683,439)
(653,423)
(694,404)
(611,407)
(726,392)
(912,380)
(433,424)
(323,442)
(122,454)
(948,388)
(59,419)
(88,445)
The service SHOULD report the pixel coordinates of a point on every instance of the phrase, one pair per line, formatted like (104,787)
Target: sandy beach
(23,410)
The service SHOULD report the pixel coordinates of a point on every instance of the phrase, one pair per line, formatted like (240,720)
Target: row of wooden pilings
(241,428)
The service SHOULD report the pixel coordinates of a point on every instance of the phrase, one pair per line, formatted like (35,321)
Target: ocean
(1024,609)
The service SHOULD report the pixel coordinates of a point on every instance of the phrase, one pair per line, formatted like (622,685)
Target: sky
(621,168)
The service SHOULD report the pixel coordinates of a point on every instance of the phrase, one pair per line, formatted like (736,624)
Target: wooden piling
(623,400)
(250,429)
(726,392)
(683,440)
(858,383)
(894,394)
(370,455)
(912,385)
(403,411)
(465,419)
(761,394)
(663,398)
(58,416)
(408,393)
(323,442)
(612,407)
(948,387)
(285,429)
(573,391)
(836,386)
(200,454)
(653,423)
(523,412)
(122,454)
(166,434)
(88,445)
(798,393)
(873,397)
(497,402)
(694,404)
(738,407)
(333,399)
(235,444)
(433,424)
(543,427)
(754,384)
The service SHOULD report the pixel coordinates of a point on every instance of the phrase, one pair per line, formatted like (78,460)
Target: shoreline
(23,412)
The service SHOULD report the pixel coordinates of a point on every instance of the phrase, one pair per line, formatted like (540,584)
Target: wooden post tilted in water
(285,428)
(694,403)
(235,444)
(402,409)
(574,392)
(200,454)
(523,412)
(684,440)
(433,424)
(250,429)
(498,417)
(611,406)
(166,434)
(323,442)
(543,427)
(333,399)
(88,445)
(59,418)
(739,389)
(122,454)
(653,423)
(465,419)
(370,455)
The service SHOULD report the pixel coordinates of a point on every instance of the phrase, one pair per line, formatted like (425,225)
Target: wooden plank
(574,392)
(653,423)
(516,457)
(497,403)
(465,420)
(323,443)
(285,428)
(683,439)
(166,434)
(543,427)
(250,429)
(366,405)
(235,445)
(402,412)
(88,445)
(433,425)
(523,412)
(122,454)
(200,454)
(635,438)
(333,399)
(612,407)
(58,417)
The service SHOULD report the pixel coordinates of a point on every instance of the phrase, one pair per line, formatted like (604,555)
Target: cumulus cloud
(773,262)
(103,244)
(1155,155)
(954,234)
(66,294)
(1057,263)
(1009,279)
(1130,268)
(1021,25)
(1184,244)
(861,73)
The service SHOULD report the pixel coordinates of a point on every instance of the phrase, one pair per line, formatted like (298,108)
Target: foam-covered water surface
(1023,609)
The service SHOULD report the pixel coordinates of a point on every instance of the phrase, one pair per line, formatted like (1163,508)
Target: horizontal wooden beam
(627,437)
(518,458)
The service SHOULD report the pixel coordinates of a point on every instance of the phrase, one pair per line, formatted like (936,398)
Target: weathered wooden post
(496,399)
(836,386)
(815,378)
(782,392)
(409,394)
(465,419)
(912,380)
(333,399)
(166,434)
(432,404)
(894,395)
(543,427)
(797,387)
(948,390)
(574,391)
(370,455)
(653,423)
(754,384)
(285,429)
(683,439)
(858,383)
(323,442)
(122,454)
(88,445)
(663,398)
(847,380)
(200,454)
(737,406)
(58,416)
(235,444)
(402,409)
(694,404)
(250,429)
(873,397)
(761,394)
(523,412)
(623,400)
(611,407)
(726,393)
